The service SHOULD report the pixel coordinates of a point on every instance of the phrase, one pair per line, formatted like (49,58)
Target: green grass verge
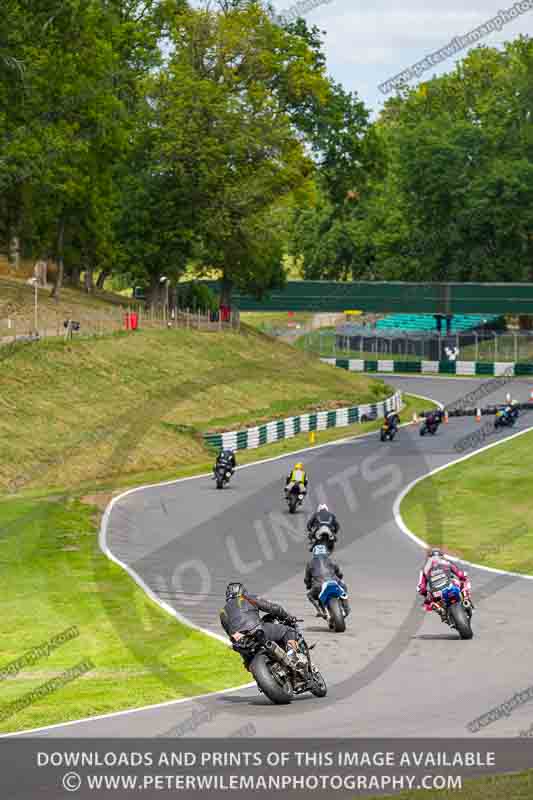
(124,404)
(484,507)
(54,577)
(496,787)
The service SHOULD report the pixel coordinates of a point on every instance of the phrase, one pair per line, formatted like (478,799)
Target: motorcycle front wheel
(318,686)
(260,669)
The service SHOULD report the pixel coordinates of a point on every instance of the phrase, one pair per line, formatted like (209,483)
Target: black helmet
(234,589)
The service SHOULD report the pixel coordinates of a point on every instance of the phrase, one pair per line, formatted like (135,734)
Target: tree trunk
(13,233)
(60,262)
(154,291)
(88,280)
(226,291)
(75,275)
(104,274)
(14,250)
(40,272)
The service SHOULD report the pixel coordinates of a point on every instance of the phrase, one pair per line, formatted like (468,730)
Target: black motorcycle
(295,497)
(322,535)
(223,473)
(388,431)
(505,418)
(429,426)
(277,674)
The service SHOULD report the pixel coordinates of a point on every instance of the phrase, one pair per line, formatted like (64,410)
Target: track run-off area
(396,671)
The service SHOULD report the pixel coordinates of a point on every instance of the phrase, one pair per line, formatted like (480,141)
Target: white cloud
(366,46)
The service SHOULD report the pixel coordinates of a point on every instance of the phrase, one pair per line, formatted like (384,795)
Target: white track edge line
(420,542)
(161,603)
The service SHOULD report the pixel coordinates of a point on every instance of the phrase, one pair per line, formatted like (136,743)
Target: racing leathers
(437,572)
(227,458)
(434,418)
(320,518)
(318,570)
(240,615)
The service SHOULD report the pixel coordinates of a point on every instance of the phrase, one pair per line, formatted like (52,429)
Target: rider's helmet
(299,465)
(435,552)
(320,550)
(321,507)
(234,589)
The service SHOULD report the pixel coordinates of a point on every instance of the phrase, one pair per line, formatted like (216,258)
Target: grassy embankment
(479,525)
(91,416)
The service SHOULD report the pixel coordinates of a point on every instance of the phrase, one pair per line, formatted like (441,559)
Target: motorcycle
(455,609)
(322,535)
(295,497)
(505,418)
(223,473)
(274,671)
(429,427)
(331,600)
(388,431)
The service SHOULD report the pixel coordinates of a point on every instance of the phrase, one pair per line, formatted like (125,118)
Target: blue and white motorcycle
(333,599)
(455,609)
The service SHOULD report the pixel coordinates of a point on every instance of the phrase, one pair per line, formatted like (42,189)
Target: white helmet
(322,507)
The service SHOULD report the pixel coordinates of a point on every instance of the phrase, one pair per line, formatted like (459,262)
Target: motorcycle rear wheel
(337,617)
(461,621)
(293,502)
(266,681)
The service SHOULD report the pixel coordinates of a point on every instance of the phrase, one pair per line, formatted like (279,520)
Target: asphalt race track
(396,671)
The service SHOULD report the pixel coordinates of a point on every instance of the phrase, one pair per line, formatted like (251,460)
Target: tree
(225,139)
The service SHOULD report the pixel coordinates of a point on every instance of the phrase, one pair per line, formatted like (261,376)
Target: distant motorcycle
(295,497)
(275,672)
(331,600)
(505,418)
(388,431)
(430,426)
(455,609)
(223,473)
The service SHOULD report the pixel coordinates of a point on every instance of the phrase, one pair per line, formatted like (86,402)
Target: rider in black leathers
(321,568)
(322,516)
(227,458)
(240,615)
(434,418)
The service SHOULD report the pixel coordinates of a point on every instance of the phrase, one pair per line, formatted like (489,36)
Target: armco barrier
(287,428)
(471,368)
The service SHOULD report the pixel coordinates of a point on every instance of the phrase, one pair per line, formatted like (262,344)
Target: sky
(366,44)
